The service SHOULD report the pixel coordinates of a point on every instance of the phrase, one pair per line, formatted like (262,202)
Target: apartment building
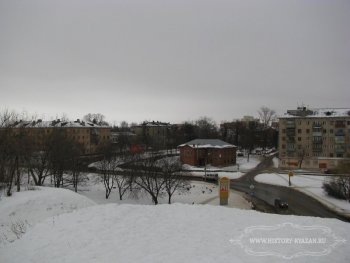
(88,134)
(153,133)
(314,138)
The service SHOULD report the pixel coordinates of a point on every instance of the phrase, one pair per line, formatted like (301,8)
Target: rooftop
(317,112)
(207,143)
(55,123)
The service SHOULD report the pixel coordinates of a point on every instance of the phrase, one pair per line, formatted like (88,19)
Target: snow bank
(24,209)
(163,233)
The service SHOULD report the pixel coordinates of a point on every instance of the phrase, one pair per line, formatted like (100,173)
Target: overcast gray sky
(173,60)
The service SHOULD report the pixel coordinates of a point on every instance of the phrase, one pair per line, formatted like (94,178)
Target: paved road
(299,203)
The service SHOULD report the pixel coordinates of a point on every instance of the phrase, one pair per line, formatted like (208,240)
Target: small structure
(200,152)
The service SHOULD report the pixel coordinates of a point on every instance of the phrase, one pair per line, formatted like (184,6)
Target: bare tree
(206,128)
(339,185)
(62,152)
(108,167)
(38,166)
(123,184)
(75,165)
(266,115)
(301,155)
(9,162)
(173,178)
(96,118)
(150,179)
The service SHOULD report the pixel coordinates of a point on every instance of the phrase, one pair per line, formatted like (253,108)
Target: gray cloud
(173,60)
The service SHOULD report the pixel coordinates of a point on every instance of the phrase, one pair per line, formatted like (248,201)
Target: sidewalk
(236,200)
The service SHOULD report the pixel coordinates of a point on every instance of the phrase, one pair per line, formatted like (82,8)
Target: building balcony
(291,139)
(317,134)
(290,124)
(290,132)
(339,139)
(339,133)
(339,149)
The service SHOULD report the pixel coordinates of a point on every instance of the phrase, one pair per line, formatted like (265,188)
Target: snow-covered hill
(172,233)
(25,209)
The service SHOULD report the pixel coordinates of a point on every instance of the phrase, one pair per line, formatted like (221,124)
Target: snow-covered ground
(168,233)
(309,184)
(198,193)
(231,172)
(24,209)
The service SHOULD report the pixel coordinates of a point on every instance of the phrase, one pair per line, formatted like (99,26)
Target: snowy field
(197,193)
(309,184)
(163,233)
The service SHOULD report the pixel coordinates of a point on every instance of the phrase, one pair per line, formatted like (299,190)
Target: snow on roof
(317,113)
(56,123)
(153,124)
(207,143)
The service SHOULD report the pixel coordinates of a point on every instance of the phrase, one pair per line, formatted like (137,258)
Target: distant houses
(200,152)
(88,134)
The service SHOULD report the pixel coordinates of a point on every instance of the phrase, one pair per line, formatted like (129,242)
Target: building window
(331,131)
(307,131)
(299,130)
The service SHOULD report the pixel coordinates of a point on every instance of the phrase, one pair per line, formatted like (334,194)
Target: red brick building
(200,152)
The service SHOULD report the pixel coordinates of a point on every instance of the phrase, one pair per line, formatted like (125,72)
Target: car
(281,203)
(240,154)
(210,177)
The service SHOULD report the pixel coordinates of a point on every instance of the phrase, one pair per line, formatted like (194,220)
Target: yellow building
(88,134)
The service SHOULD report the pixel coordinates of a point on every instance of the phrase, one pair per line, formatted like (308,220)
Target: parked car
(210,177)
(240,154)
(281,203)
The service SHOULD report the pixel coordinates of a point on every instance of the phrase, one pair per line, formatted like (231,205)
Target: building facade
(154,134)
(89,135)
(201,152)
(314,138)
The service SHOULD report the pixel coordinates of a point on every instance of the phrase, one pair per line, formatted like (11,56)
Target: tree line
(59,162)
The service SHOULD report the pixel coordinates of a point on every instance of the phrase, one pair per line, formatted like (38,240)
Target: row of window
(317,130)
(337,139)
(318,154)
(314,146)
(337,123)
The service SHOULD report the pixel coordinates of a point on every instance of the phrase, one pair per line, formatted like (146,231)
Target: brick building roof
(208,143)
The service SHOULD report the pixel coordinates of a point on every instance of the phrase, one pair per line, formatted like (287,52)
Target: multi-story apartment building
(88,134)
(153,133)
(314,138)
